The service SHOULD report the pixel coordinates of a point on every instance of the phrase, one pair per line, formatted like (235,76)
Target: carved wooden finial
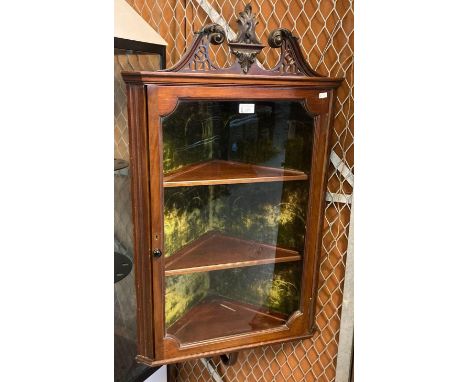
(246,45)
(247,22)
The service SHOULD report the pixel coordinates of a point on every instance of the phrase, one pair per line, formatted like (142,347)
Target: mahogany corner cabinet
(228,170)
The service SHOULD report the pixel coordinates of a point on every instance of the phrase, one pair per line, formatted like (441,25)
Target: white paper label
(246,108)
(323,95)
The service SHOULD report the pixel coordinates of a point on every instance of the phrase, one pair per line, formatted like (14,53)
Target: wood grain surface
(228,172)
(215,251)
(218,317)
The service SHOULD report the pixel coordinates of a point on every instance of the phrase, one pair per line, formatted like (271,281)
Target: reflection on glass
(278,134)
(235,202)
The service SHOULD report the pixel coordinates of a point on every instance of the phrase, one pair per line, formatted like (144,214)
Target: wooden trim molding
(138,142)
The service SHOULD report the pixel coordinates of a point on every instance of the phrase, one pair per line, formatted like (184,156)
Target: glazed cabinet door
(231,190)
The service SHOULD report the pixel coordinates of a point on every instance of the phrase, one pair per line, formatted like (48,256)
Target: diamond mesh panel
(127,61)
(326,31)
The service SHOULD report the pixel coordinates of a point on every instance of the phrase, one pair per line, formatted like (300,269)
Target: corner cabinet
(228,171)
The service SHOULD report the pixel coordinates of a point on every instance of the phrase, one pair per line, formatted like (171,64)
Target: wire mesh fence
(325,29)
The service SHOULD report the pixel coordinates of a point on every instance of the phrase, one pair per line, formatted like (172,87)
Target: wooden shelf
(219,317)
(213,251)
(226,172)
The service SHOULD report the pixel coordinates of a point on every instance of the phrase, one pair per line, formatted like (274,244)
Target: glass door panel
(236,188)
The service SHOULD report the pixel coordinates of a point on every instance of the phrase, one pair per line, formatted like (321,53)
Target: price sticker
(246,108)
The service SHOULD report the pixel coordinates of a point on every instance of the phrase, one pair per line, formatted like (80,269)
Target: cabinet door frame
(161,100)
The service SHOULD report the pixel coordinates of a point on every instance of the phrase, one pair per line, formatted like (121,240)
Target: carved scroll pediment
(245,46)
(197,57)
(291,59)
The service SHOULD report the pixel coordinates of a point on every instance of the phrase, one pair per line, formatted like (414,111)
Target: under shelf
(227,172)
(214,251)
(216,317)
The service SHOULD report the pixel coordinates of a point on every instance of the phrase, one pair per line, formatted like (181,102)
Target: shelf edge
(212,182)
(239,264)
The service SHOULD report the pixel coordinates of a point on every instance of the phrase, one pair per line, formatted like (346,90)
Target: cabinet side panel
(320,161)
(138,141)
